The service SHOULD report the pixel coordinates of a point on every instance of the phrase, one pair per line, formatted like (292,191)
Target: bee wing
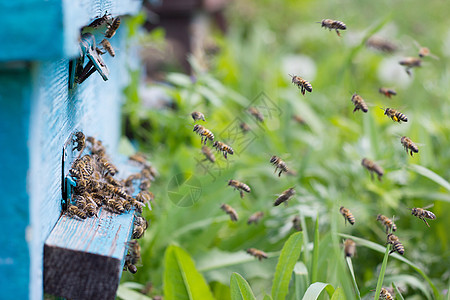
(428,206)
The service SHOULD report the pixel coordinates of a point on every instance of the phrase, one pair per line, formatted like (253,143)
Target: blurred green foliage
(263,41)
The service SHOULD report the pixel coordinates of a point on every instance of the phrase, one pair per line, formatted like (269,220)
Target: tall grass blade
(338,294)
(240,289)
(397,292)
(315,258)
(350,267)
(267,297)
(382,272)
(301,280)
(430,175)
(126,293)
(315,289)
(283,273)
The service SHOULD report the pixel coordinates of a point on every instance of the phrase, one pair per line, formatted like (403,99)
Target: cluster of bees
(112,24)
(96,186)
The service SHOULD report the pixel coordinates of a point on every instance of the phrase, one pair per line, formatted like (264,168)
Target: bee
(140,225)
(107,46)
(230,211)
(255,217)
(395,115)
(396,245)
(349,247)
(112,180)
(299,119)
(98,198)
(108,167)
(115,205)
(129,180)
(422,213)
(244,127)
(80,140)
(133,256)
(196,115)
(409,63)
(333,24)
(372,167)
(116,190)
(388,223)
(204,133)
(224,148)
(75,211)
(257,253)
(242,187)
(256,113)
(80,201)
(208,154)
(385,295)
(144,197)
(409,145)
(285,196)
(302,84)
(97,147)
(100,21)
(387,92)
(359,103)
(139,158)
(296,223)
(112,28)
(381,44)
(91,209)
(278,163)
(348,216)
(145,184)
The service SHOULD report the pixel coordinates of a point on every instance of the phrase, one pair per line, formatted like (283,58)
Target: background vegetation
(266,41)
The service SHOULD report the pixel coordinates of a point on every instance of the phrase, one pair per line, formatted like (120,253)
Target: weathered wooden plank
(83,259)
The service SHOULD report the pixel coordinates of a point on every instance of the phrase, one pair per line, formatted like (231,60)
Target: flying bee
(230,211)
(373,168)
(80,140)
(75,211)
(348,216)
(196,115)
(241,187)
(100,21)
(285,196)
(255,217)
(208,154)
(257,253)
(302,84)
(381,44)
(256,113)
(409,145)
(359,103)
(396,245)
(204,133)
(385,295)
(395,115)
(278,163)
(333,24)
(224,148)
(349,248)
(112,28)
(107,46)
(409,63)
(388,223)
(296,223)
(244,127)
(422,213)
(387,92)
(299,119)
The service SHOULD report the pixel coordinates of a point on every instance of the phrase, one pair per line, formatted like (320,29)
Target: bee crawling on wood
(241,187)
(257,253)
(302,84)
(80,140)
(75,211)
(409,145)
(133,256)
(112,28)
(333,24)
(423,214)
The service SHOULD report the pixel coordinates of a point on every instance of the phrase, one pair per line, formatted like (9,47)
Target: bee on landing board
(396,245)
(409,145)
(388,223)
(75,211)
(196,115)
(100,20)
(395,115)
(348,216)
(285,196)
(204,133)
(224,148)
(333,24)
(279,164)
(423,214)
(387,92)
(230,211)
(80,140)
(257,253)
(349,248)
(302,84)
(373,168)
(241,187)
(359,103)
(255,218)
(112,28)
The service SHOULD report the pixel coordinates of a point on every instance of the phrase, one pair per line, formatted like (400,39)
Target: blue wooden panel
(15,94)
(49,29)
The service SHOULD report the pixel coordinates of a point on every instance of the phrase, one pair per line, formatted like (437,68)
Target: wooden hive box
(38,113)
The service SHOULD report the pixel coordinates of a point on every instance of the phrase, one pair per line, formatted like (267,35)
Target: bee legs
(425,221)
(338,33)
(241,193)
(279,174)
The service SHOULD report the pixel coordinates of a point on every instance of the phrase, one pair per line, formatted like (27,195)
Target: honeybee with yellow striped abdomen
(230,211)
(372,167)
(257,253)
(107,46)
(208,154)
(196,115)
(115,204)
(100,20)
(108,167)
(80,140)
(333,24)
(409,63)
(241,187)
(359,103)
(423,214)
(140,225)
(285,196)
(256,113)
(302,84)
(112,28)
(349,248)
(396,245)
(204,133)
(387,92)
(279,164)
(388,223)
(385,295)
(348,216)
(395,115)
(255,217)
(409,145)
(75,211)
(224,148)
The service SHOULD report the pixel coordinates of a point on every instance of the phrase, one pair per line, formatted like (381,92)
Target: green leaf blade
(240,289)
(314,290)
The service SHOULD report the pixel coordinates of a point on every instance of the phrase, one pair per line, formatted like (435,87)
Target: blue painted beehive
(38,113)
